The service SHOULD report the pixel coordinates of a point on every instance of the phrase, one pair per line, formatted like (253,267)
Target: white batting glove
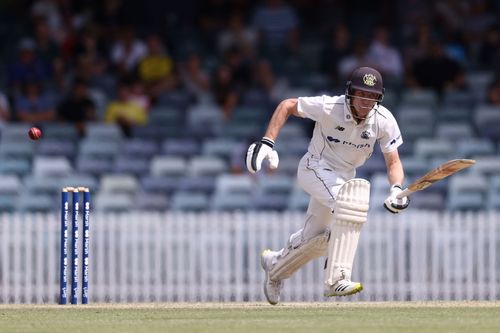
(258,151)
(392,203)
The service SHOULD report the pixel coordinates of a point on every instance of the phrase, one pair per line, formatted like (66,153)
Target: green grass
(441,317)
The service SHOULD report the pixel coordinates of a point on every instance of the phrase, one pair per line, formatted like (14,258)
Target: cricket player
(344,136)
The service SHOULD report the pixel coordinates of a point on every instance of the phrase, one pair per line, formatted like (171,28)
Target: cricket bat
(444,170)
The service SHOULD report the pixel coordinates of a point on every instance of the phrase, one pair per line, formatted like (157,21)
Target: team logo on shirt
(340,128)
(365,135)
(369,80)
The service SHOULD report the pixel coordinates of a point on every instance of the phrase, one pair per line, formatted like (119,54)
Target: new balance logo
(340,128)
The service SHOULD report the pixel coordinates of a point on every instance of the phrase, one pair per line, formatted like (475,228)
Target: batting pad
(351,210)
(294,256)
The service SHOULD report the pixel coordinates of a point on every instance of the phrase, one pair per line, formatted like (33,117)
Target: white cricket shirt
(338,140)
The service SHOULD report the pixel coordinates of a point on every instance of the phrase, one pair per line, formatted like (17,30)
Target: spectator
(33,105)
(225,92)
(156,68)
(384,56)
(27,66)
(493,94)
(489,50)
(236,34)
(4,110)
(47,49)
(124,111)
(358,58)
(193,77)
(277,25)
(127,51)
(78,108)
(437,71)
(337,47)
(266,80)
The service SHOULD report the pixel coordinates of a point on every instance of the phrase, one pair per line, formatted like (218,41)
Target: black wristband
(267,142)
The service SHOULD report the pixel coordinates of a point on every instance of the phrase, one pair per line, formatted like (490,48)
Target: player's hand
(393,204)
(258,151)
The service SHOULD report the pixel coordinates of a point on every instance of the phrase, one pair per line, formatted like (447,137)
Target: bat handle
(406,192)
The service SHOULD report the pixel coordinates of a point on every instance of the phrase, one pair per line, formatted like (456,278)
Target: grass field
(384,317)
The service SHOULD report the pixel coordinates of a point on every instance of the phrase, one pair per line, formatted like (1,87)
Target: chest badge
(365,135)
(340,128)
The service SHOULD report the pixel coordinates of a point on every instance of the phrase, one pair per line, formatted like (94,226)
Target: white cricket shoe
(343,287)
(272,288)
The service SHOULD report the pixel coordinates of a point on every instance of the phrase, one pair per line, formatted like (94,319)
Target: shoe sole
(263,264)
(355,290)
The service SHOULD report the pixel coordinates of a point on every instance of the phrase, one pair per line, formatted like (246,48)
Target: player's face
(363,102)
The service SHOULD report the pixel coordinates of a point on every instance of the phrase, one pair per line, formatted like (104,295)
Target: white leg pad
(298,253)
(349,215)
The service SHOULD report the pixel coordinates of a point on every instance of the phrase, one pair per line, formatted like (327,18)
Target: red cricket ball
(35,133)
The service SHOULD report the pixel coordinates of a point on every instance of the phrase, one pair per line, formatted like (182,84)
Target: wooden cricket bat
(444,170)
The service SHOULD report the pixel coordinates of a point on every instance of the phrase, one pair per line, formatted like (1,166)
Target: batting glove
(392,203)
(259,151)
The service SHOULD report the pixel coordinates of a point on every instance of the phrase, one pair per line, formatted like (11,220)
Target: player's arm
(395,174)
(286,108)
(258,151)
(394,167)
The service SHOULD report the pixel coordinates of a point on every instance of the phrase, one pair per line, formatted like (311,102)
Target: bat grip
(406,192)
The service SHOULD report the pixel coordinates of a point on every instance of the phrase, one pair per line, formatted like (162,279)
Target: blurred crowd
(113,60)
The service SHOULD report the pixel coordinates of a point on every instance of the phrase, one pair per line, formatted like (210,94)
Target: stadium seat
(189,201)
(51,166)
(221,147)
(429,148)
(202,184)
(185,147)
(94,165)
(115,183)
(271,202)
(226,201)
(163,115)
(113,202)
(91,148)
(415,166)
(42,184)
(36,202)
(206,165)
(466,201)
(458,98)
(298,200)
(160,184)
(138,147)
(205,118)
(59,147)
(104,132)
(15,132)
(62,132)
(274,185)
(292,146)
(19,149)
(487,164)
(18,166)
(468,183)
(157,132)
(9,184)
(454,131)
(137,166)
(80,179)
(151,202)
(234,184)
(168,166)
(475,147)
(428,200)
(8,203)
(425,98)
(487,121)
